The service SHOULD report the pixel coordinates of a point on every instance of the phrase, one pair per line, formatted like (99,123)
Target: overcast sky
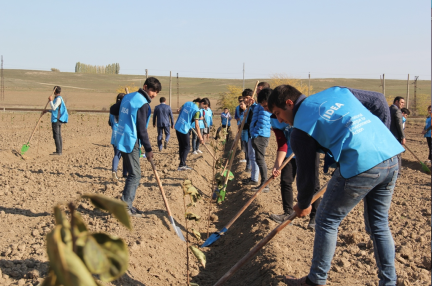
(333,38)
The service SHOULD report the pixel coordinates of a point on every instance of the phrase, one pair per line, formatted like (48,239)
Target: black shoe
(56,154)
(280,218)
(133,212)
(134,209)
(251,183)
(165,144)
(311,224)
(265,190)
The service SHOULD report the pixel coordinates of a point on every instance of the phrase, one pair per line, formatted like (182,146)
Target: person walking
(163,119)
(396,124)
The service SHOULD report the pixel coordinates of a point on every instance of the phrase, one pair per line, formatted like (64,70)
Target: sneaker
(134,209)
(311,224)
(165,144)
(181,168)
(265,190)
(194,153)
(114,176)
(292,281)
(143,155)
(242,161)
(279,218)
(56,154)
(188,168)
(160,149)
(133,212)
(199,151)
(251,183)
(427,161)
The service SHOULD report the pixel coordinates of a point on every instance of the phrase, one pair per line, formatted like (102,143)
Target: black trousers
(260,145)
(56,127)
(288,174)
(184,147)
(428,139)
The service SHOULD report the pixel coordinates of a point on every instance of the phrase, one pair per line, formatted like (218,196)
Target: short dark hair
(397,98)
(120,96)
(406,111)
(197,100)
(281,94)
(162,99)
(264,95)
(264,84)
(247,92)
(57,89)
(153,83)
(206,101)
(225,108)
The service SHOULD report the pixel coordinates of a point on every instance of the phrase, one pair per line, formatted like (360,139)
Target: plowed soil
(30,187)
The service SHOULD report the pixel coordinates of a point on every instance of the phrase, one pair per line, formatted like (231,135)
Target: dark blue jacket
(163,114)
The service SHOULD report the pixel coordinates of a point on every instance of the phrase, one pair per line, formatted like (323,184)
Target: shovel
(176,228)
(265,240)
(26,146)
(424,167)
(215,236)
(204,144)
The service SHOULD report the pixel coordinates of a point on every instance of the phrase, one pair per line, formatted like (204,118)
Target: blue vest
(114,125)
(286,128)
(428,124)
(245,136)
(126,132)
(63,112)
(356,138)
(241,116)
(209,117)
(260,124)
(201,122)
(185,118)
(224,120)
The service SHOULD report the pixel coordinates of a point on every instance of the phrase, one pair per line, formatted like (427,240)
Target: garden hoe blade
(213,237)
(177,229)
(424,167)
(25,148)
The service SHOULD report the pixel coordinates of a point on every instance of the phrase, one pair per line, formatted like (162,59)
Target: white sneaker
(194,153)
(199,151)
(242,161)
(114,176)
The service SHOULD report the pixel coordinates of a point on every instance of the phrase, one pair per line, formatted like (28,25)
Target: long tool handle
(160,187)
(235,143)
(257,193)
(412,153)
(204,145)
(126,90)
(265,240)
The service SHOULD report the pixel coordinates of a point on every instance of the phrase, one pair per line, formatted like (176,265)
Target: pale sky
(347,39)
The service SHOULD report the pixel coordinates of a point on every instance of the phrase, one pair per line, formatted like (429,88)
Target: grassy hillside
(96,91)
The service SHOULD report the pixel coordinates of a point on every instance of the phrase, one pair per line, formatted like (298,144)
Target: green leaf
(115,207)
(196,233)
(94,256)
(199,255)
(192,216)
(116,253)
(60,217)
(66,265)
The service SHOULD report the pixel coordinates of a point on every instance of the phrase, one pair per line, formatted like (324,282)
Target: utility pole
(243,76)
(178,93)
(383,83)
(407,101)
(309,85)
(170,88)
(146,73)
(415,94)
(2,81)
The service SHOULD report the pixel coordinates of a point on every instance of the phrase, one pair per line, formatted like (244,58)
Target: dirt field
(30,188)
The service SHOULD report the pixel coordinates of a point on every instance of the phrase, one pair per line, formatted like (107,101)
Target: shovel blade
(24,148)
(177,229)
(425,168)
(213,237)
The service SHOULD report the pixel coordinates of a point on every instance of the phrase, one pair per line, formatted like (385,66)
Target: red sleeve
(281,140)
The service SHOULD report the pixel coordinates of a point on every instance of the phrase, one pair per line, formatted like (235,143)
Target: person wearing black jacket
(396,125)
(124,110)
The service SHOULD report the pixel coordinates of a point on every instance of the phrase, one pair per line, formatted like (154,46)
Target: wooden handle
(412,153)
(193,130)
(265,240)
(126,90)
(257,193)
(160,187)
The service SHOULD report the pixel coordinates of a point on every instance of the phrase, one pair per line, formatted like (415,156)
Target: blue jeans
(195,140)
(244,145)
(252,162)
(160,131)
(132,164)
(115,161)
(375,187)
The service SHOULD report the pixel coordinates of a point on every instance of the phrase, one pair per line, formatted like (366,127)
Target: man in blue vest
(164,117)
(134,116)
(336,122)
(59,115)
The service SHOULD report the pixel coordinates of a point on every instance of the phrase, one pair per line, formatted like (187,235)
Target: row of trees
(109,69)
